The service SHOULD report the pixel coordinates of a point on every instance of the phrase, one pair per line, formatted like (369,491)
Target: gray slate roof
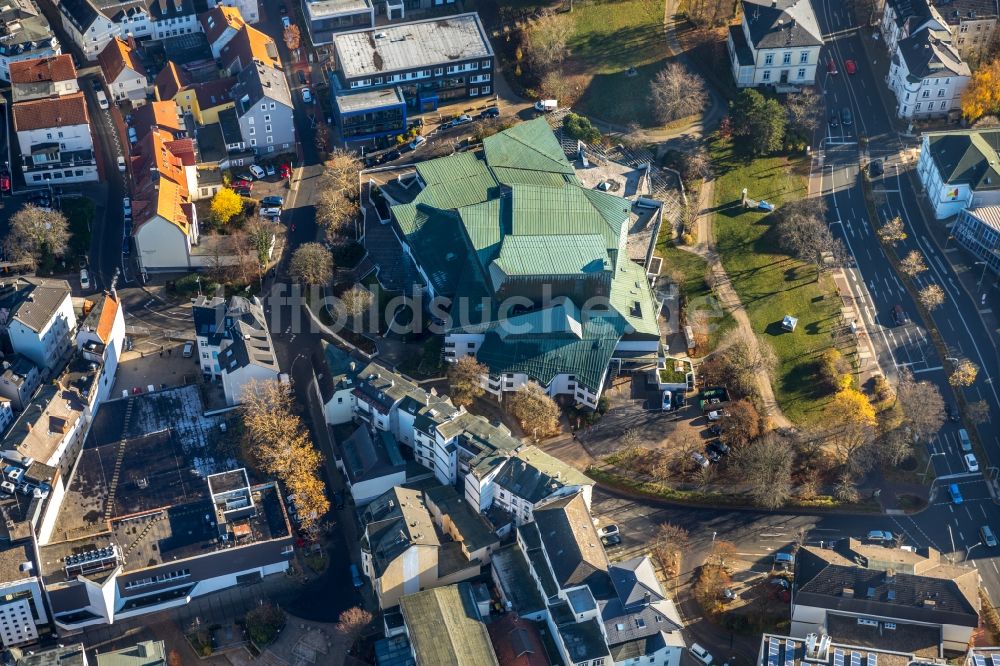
(781,23)
(259,82)
(571,542)
(928,54)
(33,301)
(251,342)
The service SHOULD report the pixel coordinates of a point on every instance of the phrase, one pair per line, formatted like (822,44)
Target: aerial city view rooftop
(537,333)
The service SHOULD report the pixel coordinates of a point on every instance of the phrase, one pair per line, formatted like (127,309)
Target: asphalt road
(950,528)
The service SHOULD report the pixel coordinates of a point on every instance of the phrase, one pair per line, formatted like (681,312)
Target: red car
(4,182)
(851,66)
(285,171)
(242,184)
(831,66)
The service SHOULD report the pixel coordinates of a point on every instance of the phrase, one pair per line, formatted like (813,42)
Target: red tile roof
(115,57)
(516,642)
(107,320)
(171,80)
(217,19)
(52,68)
(51,112)
(248,45)
(183,149)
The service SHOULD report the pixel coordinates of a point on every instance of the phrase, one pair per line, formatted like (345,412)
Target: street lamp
(930,460)
(969,550)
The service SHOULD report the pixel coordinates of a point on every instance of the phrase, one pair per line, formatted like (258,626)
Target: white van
(546,105)
(964,441)
(701,654)
(102,99)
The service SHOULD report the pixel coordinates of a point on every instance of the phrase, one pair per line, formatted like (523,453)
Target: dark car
(242,191)
(712,454)
(952,413)
(876,168)
(833,120)
(492,112)
(126,246)
(898,315)
(611,540)
(96,83)
(715,429)
(718,447)
(302,77)
(846,116)
(392,155)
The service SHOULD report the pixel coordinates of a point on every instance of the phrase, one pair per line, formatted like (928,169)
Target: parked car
(307,96)
(953,414)
(611,540)
(462,120)
(875,168)
(898,315)
(784,560)
(121,164)
(302,77)
(416,143)
(356,576)
(955,493)
(714,415)
(188,350)
(126,247)
(719,448)
(270,170)
(701,460)
(273,201)
(84,279)
(834,122)
(242,183)
(989,539)
(243,191)
(712,454)
(285,22)
(666,401)
(270,212)
(880,536)
(96,83)
(132,136)
(392,155)
(492,112)
(701,654)
(608,529)
(831,67)
(971,463)
(715,429)
(127,205)
(285,170)
(851,66)
(546,105)
(257,171)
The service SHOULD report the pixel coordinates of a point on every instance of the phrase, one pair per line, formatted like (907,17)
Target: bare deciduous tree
(352,623)
(465,379)
(922,404)
(35,233)
(893,447)
(803,233)
(893,231)
(676,92)
(537,413)
(964,374)
(312,264)
(696,164)
(766,467)
(356,300)
(805,110)
(978,411)
(931,296)
(913,264)
(670,543)
(545,41)
(742,425)
(709,13)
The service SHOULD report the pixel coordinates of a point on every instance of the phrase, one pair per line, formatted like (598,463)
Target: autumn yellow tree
(537,413)
(226,205)
(465,378)
(853,406)
(982,95)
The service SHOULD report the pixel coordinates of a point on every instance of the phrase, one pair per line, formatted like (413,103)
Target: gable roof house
(970,23)
(52,122)
(249,9)
(445,628)
(27,35)
(777,44)
(927,75)
(38,319)
(402,552)
(960,169)
(264,109)
(248,46)
(933,604)
(101,338)
(514,220)
(93,23)
(595,609)
(88,27)
(123,71)
(220,24)
(235,343)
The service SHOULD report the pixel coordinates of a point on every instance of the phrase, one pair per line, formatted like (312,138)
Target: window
(767,75)
(263,107)
(769,59)
(802,72)
(473,92)
(786,59)
(916,108)
(250,120)
(267,128)
(253,142)
(270,139)
(941,92)
(926,94)
(803,57)
(930,106)
(272,105)
(253,130)
(267,119)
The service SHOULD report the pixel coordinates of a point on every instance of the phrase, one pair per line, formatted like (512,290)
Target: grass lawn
(689,270)
(770,283)
(610,37)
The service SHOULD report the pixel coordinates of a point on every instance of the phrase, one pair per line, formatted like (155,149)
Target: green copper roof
(531,146)
(437,240)
(553,255)
(632,298)
(509,176)
(458,180)
(570,209)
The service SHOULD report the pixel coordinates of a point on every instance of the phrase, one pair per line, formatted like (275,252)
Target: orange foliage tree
(982,97)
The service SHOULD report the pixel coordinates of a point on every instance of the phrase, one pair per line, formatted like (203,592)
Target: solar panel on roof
(995,660)
(979,660)
(789,652)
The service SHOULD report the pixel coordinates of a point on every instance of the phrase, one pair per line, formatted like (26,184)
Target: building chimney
(163,7)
